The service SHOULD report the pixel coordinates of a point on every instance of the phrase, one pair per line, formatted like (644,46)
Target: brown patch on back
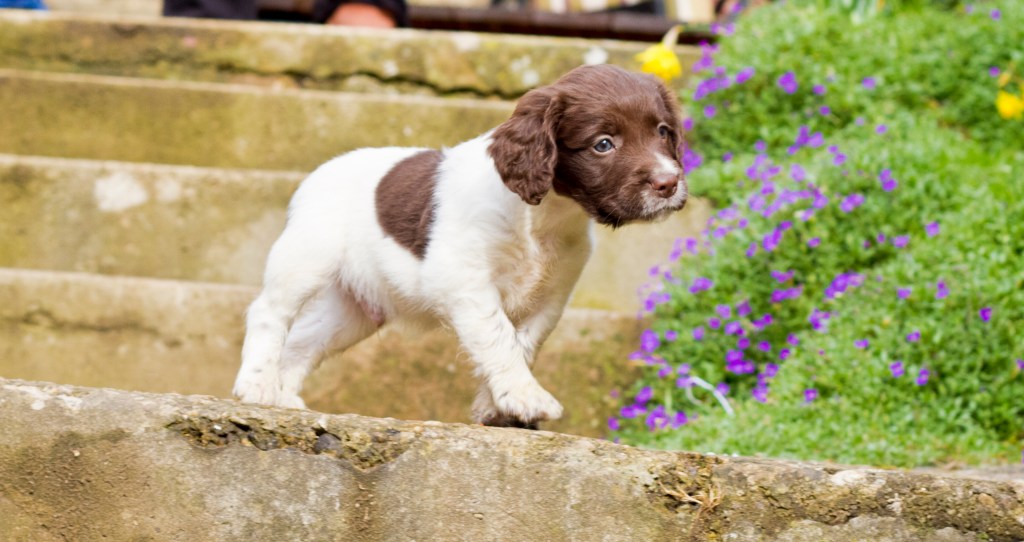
(405,201)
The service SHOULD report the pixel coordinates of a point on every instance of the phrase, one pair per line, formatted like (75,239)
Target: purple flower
(985,313)
(709,111)
(764,346)
(810,394)
(843,282)
(727,157)
(995,14)
(714,323)
(782,276)
(657,419)
(792,340)
(819,320)
(744,75)
(824,110)
(771,240)
(787,82)
(1020,364)
(733,328)
(743,343)
(941,292)
(851,202)
(671,335)
(819,90)
(679,420)
(797,173)
(649,341)
(691,160)
(613,424)
(700,284)
(698,333)
(751,250)
(770,370)
(762,322)
(760,146)
(861,343)
(897,368)
(814,242)
(900,241)
(994,71)
(688,124)
(903,293)
(645,395)
(760,393)
(632,411)
(722,388)
(922,376)
(724,311)
(888,183)
(743,308)
(932,229)
(869,83)
(786,293)
(881,129)
(914,336)
(684,382)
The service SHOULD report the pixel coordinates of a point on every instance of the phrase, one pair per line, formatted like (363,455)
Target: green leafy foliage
(883,240)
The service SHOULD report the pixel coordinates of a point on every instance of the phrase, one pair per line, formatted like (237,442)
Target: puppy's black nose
(665,185)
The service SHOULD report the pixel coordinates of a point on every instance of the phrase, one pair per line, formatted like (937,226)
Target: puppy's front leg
(534,329)
(502,360)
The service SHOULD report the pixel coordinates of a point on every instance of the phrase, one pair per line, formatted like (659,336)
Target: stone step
(217,225)
(220,125)
(185,337)
(96,464)
(302,55)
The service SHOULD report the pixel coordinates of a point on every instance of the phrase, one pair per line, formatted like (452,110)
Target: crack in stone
(363,450)
(45,318)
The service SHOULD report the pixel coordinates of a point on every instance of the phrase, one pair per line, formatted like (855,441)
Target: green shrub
(934,61)
(926,191)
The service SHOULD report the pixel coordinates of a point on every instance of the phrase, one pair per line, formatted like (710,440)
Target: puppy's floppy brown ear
(523,147)
(672,104)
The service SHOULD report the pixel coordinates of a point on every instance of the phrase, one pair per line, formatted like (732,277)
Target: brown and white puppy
(487,237)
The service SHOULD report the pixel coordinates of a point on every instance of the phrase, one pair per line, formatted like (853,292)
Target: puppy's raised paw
(528,404)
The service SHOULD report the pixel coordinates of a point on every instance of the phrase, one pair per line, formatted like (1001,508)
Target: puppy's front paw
(527,404)
(265,392)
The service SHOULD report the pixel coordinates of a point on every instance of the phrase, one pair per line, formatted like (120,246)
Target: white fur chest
(549,240)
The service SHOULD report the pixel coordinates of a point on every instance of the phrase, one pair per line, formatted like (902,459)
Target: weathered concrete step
(313,56)
(185,337)
(217,225)
(219,125)
(90,464)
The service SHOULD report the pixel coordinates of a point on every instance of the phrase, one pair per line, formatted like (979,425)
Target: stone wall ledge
(87,464)
(435,63)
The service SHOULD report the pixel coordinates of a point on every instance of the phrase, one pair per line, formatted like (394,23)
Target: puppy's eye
(604,146)
(663,131)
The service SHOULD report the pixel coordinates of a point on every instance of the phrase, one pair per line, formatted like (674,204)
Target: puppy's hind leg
(332,322)
(297,269)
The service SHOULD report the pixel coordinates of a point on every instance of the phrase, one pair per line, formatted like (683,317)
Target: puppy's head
(605,137)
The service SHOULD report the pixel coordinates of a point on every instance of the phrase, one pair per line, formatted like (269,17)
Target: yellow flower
(661,59)
(1009,106)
